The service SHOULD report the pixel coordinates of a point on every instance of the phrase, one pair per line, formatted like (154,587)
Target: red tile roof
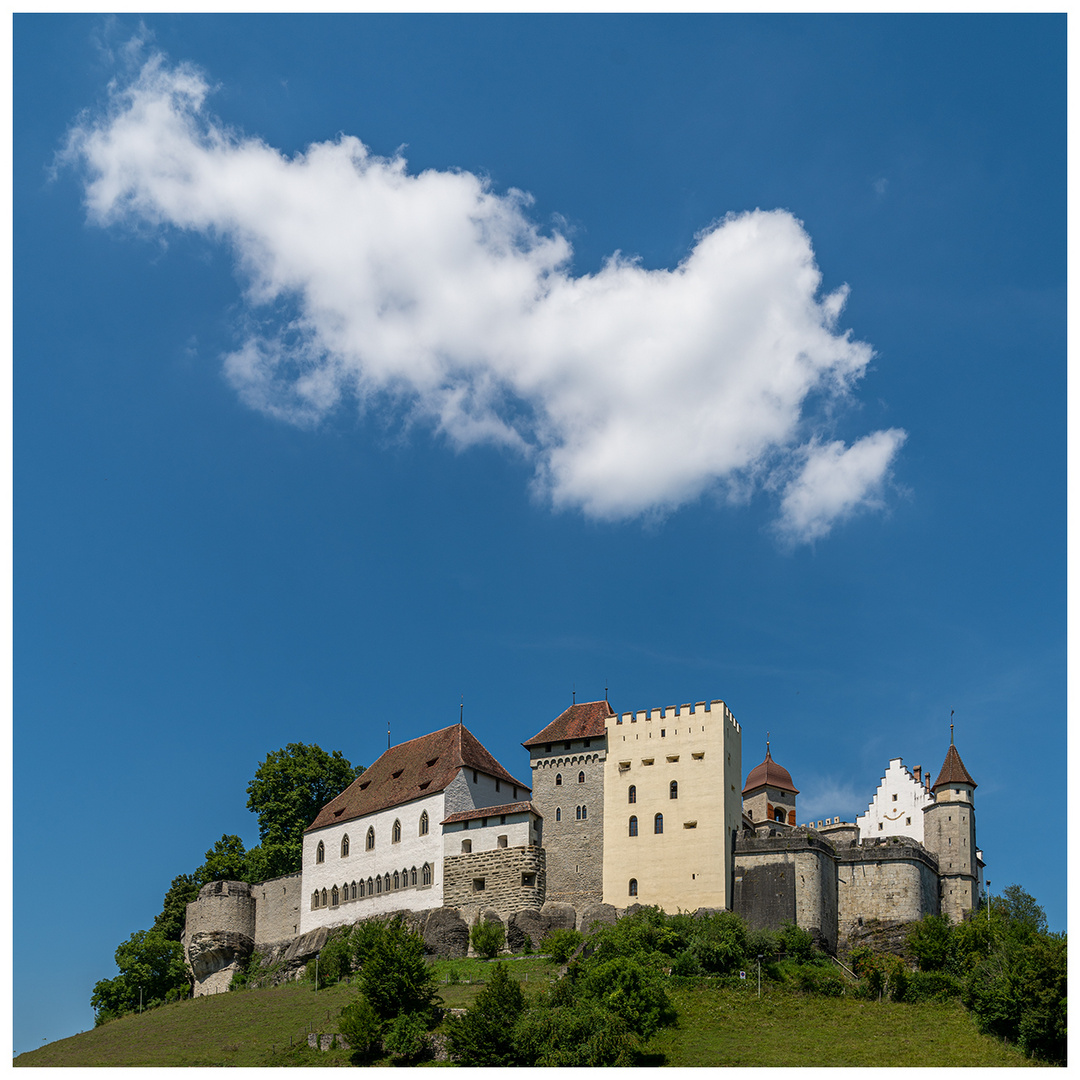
(492,811)
(584,721)
(768,772)
(411,770)
(953,771)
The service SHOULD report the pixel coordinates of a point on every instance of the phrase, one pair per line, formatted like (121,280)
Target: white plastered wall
(897,806)
(486,837)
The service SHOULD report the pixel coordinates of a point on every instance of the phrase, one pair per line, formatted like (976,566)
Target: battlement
(667,712)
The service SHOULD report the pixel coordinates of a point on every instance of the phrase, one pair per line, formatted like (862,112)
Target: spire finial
(573,694)
(951,712)
(766,744)
(461,715)
(387,734)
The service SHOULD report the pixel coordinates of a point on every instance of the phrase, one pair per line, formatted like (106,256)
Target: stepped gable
(411,770)
(768,772)
(953,771)
(584,721)
(491,811)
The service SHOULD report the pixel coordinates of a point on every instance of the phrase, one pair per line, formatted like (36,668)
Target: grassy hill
(716,1027)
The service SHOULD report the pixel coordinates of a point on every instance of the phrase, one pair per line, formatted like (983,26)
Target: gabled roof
(411,770)
(768,772)
(492,811)
(584,721)
(953,771)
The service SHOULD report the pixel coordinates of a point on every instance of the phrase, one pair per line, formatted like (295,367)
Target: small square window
(894,798)
(478,884)
(880,826)
(528,880)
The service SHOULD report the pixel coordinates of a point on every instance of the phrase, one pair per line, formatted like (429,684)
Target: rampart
(669,712)
(277,911)
(219,934)
(892,879)
(504,880)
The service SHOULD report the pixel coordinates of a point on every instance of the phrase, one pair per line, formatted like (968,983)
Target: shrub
(560,945)
(816,979)
(797,943)
(484,1036)
(929,940)
(361,1026)
(395,977)
(932,986)
(406,1039)
(631,990)
(581,1035)
(488,938)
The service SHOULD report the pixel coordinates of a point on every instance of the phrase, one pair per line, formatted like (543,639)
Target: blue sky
(362,363)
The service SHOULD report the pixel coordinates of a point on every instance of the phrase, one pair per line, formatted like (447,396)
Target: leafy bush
(395,977)
(814,978)
(406,1040)
(488,938)
(630,989)
(581,1035)
(797,943)
(932,986)
(484,1035)
(930,941)
(361,1026)
(560,945)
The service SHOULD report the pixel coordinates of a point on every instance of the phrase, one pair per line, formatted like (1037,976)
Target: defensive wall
(277,909)
(504,879)
(219,934)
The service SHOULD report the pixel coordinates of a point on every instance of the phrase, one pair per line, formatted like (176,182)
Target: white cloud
(825,797)
(630,390)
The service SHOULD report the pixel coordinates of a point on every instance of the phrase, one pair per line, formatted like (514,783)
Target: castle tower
(949,832)
(568,758)
(769,793)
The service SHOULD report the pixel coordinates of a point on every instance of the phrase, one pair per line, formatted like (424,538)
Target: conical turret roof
(768,772)
(953,771)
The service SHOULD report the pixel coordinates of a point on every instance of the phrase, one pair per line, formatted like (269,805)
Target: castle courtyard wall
(277,909)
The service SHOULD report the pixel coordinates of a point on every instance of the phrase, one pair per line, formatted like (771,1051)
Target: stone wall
(219,934)
(513,879)
(893,880)
(277,909)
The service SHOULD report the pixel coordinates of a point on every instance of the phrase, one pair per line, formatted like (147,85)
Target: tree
(225,861)
(395,978)
(170,922)
(287,792)
(361,1026)
(484,1036)
(930,941)
(582,1034)
(630,989)
(149,963)
(488,938)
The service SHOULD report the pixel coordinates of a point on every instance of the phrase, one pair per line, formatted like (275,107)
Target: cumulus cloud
(629,391)
(825,796)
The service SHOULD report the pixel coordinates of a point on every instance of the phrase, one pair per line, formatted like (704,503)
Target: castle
(623,809)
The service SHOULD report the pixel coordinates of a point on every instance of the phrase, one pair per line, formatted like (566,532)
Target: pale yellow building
(672,806)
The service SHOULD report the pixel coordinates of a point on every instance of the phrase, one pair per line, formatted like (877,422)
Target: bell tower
(949,832)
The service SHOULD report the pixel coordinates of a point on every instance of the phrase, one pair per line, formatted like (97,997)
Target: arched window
(314,899)
(581,778)
(414,875)
(363,892)
(658,823)
(386,882)
(633,826)
(466,847)
(584,812)
(320,852)
(370,890)
(396,837)
(334,896)
(558,779)
(633,886)
(426,874)
(353,888)
(631,795)
(397,880)
(779,812)
(322,898)
(673,789)
(371,838)
(558,813)
(345,845)
(378,885)
(577,812)
(423,823)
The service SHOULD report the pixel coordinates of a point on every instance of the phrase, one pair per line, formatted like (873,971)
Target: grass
(717,1027)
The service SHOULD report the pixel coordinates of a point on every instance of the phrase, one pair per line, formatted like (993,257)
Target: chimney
(918,774)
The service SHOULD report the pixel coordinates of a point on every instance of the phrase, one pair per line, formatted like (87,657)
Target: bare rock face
(558,916)
(521,924)
(215,956)
(446,933)
(491,915)
(604,914)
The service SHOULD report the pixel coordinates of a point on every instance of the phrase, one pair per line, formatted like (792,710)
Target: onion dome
(771,774)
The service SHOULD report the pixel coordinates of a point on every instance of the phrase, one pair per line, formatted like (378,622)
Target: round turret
(769,793)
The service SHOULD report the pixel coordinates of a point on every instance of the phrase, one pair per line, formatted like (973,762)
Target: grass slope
(716,1027)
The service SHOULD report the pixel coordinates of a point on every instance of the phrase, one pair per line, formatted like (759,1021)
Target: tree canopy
(288,790)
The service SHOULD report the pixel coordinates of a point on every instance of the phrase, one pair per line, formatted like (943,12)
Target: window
(658,823)
(425,874)
(370,887)
(633,886)
(587,741)
(466,847)
(558,779)
(528,880)
(894,798)
(352,889)
(423,823)
(386,882)
(907,821)
(314,899)
(547,748)
(397,880)
(584,812)
(322,898)
(414,875)
(558,813)
(496,785)
(334,896)
(395,837)
(631,795)
(345,845)
(880,826)
(371,839)
(581,778)
(566,746)
(378,885)
(577,813)
(501,841)
(778,813)
(633,826)
(363,891)
(320,852)
(478,884)
(673,789)
(474,776)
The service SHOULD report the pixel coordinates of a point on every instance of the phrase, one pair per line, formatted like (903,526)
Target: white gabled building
(897,806)
(380,846)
